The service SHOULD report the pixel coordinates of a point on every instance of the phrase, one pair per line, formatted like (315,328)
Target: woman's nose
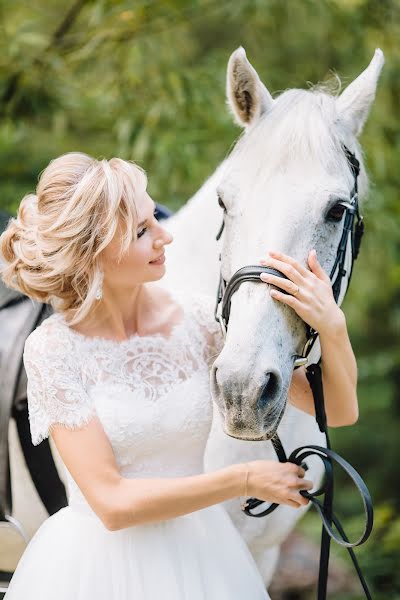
(169,238)
(166,238)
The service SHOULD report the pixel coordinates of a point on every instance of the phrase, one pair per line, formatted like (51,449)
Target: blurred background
(146,81)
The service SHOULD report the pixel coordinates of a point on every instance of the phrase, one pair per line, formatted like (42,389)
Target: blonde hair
(50,251)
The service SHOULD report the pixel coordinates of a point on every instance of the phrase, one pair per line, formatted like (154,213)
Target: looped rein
(325,508)
(297,457)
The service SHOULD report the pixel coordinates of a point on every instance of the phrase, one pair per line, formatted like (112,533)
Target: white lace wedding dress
(152,397)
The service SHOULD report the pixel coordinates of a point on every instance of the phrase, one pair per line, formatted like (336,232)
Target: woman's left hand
(309,291)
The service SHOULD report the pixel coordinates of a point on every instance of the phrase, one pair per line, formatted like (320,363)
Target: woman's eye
(142,231)
(336,212)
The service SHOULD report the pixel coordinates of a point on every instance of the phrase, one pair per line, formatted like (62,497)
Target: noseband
(347,252)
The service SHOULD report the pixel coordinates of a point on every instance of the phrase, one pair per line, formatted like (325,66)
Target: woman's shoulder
(55,391)
(50,337)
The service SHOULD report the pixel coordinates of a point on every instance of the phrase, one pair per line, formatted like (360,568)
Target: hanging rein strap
(324,507)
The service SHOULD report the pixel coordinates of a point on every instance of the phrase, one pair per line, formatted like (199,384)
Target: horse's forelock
(302,131)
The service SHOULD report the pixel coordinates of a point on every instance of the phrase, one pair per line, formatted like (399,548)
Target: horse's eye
(336,212)
(220,202)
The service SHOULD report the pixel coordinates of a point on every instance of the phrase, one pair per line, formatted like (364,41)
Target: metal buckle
(300,361)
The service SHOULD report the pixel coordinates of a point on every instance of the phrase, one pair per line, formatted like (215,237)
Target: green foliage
(378,558)
(382,559)
(146,81)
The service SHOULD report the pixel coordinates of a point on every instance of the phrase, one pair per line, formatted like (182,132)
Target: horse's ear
(354,103)
(247,96)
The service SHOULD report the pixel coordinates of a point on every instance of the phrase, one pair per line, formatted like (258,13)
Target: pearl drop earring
(99,291)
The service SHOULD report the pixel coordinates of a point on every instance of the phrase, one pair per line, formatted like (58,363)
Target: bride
(119,375)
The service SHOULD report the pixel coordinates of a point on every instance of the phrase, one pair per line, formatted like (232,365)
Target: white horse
(278,185)
(285,172)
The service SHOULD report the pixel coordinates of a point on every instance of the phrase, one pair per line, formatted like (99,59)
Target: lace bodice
(150,393)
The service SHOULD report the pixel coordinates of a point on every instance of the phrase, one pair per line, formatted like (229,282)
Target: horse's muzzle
(251,409)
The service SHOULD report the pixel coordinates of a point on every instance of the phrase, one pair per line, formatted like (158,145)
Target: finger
(291,301)
(292,503)
(297,469)
(300,499)
(305,484)
(289,270)
(316,267)
(304,501)
(291,261)
(283,284)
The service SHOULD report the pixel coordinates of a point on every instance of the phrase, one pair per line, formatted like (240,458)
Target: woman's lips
(160,260)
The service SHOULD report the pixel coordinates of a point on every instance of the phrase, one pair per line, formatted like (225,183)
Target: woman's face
(135,266)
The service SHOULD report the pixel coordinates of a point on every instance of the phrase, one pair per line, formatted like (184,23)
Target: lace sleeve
(204,311)
(55,391)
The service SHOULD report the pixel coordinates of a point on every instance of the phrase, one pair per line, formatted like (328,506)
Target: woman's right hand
(273,481)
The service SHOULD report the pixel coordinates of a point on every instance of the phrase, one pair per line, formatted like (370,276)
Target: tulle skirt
(198,556)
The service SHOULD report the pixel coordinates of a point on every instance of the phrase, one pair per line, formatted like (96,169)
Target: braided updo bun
(50,251)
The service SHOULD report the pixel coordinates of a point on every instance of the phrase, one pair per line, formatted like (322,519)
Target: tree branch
(68,21)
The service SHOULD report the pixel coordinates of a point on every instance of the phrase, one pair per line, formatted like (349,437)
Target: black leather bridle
(348,249)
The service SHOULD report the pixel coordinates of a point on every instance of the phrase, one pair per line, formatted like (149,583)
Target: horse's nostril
(214,381)
(217,387)
(269,391)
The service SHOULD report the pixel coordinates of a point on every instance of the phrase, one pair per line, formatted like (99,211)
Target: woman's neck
(123,313)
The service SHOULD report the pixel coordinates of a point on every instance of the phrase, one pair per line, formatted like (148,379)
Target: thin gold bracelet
(244,504)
